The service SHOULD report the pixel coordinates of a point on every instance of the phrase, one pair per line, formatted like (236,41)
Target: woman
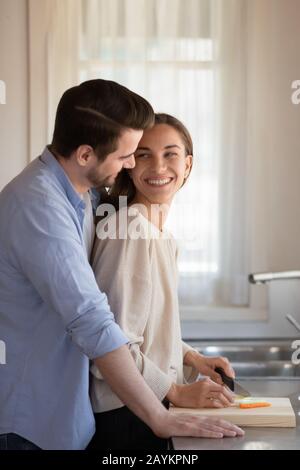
(134,261)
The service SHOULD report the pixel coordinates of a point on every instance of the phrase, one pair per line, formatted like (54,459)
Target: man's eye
(125,158)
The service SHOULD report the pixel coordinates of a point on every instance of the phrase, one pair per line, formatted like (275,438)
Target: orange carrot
(254,405)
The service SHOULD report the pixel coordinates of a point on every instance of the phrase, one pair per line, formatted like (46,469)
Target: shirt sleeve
(48,250)
(190,374)
(122,270)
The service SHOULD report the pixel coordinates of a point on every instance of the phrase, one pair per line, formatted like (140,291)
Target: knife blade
(241,391)
(233,385)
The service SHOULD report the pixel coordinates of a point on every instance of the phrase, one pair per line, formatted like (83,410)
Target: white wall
(274,133)
(14,72)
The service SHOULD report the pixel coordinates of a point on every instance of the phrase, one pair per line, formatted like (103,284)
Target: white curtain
(62,46)
(188,58)
(231,110)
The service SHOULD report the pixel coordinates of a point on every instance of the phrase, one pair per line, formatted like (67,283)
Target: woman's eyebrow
(166,147)
(170,146)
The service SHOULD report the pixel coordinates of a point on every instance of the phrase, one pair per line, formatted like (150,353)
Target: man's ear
(84,154)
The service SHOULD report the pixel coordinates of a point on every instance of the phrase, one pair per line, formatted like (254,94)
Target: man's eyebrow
(127,156)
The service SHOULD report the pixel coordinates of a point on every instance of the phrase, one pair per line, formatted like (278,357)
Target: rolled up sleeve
(53,260)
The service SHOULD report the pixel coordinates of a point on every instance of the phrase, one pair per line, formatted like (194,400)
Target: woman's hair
(95,113)
(123,185)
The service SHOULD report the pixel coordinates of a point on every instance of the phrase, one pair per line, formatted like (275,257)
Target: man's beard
(97,181)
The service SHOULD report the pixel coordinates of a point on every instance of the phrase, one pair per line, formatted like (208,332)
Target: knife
(233,385)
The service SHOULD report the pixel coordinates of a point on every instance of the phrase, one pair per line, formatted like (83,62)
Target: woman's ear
(188,165)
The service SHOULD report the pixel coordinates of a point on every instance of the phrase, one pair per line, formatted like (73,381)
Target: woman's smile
(158,182)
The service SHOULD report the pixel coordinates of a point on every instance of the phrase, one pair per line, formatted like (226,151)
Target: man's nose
(130,163)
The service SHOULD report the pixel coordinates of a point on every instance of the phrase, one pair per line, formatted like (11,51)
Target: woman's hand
(206,365)
(202,394)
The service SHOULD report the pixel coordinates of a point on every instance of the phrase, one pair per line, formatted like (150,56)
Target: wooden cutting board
(279,415)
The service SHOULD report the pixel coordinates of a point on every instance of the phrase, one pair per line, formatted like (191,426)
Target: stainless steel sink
(249,353)
(255,359)
(266,369)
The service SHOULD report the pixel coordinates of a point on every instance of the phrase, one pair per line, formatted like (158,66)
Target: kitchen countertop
(257,438)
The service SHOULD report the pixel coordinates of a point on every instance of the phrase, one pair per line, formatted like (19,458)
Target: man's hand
(196,426)
(206,365)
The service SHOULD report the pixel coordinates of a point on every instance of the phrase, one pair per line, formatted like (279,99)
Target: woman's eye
(142,155)
(170,154)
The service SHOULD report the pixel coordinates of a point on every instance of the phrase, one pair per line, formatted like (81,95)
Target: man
(53,318)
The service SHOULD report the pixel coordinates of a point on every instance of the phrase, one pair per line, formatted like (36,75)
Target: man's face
(104,173)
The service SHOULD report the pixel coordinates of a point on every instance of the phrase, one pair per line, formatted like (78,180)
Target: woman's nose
(159,165)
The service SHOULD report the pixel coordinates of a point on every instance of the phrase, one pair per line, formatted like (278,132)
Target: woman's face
(161,165)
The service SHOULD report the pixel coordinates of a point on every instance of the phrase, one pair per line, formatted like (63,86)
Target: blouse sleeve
(190,374)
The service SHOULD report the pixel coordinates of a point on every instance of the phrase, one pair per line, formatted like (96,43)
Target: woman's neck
(156,213)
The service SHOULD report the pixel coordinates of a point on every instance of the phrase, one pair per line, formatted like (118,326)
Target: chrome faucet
(262,278)
(293,321)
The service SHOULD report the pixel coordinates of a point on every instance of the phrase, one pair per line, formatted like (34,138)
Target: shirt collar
(74,197)
(95,198)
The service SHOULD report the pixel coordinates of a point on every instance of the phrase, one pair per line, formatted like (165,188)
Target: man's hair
(95,113)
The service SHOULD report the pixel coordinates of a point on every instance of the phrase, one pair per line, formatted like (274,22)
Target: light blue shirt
(53,317)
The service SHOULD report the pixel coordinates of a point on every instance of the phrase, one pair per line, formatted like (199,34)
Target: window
(174,62)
